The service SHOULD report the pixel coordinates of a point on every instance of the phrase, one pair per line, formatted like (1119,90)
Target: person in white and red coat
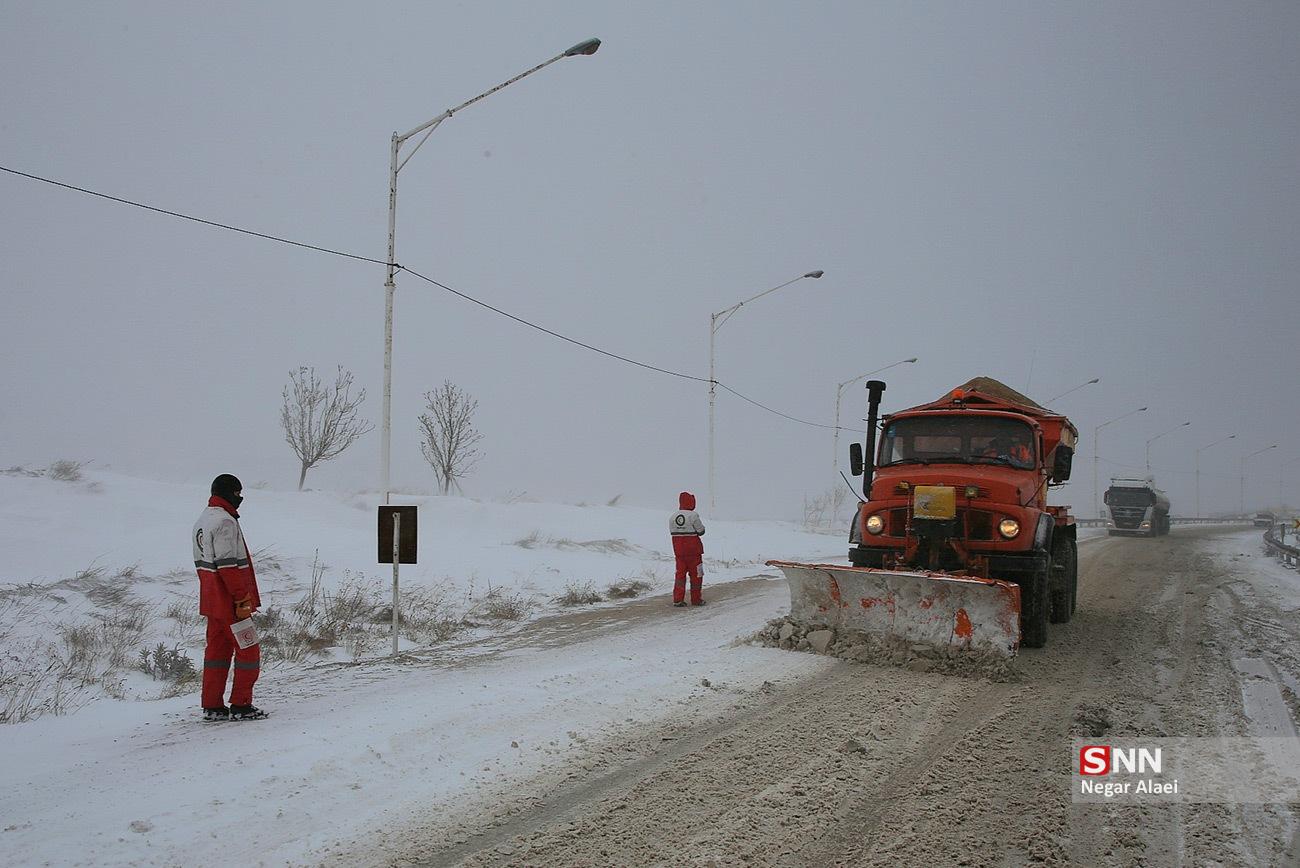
(227,594)
(686,529)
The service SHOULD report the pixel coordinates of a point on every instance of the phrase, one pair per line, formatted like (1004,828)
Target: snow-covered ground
(360,746)
(353,746)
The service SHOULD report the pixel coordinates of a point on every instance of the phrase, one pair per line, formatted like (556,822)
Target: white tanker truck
(1137,508)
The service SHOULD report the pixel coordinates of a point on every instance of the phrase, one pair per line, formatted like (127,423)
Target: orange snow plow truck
(955,544)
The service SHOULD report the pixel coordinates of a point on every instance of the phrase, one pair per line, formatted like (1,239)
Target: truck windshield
(1130,497)
(958,440)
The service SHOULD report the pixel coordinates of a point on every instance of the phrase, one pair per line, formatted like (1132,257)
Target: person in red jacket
(227,593)
(686,529)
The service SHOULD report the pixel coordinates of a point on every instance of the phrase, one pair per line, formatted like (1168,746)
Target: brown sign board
(406,528)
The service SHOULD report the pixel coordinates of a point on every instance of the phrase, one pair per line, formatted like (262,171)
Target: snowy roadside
(95,572)
(357,742)
(365,748)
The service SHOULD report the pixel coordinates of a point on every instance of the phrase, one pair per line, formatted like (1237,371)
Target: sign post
(397,545)
(397,559)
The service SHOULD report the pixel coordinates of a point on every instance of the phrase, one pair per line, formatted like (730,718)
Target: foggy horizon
(1040,195)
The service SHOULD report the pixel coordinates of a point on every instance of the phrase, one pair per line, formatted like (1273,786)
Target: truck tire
(1074,577)
(1034,606)
(860,556)
(1064,577)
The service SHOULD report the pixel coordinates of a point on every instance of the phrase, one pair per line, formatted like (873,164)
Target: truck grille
(1127,517)
(978,524)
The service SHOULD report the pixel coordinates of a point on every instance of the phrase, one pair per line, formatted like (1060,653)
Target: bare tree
(824,510)
(320,421)
(448,436)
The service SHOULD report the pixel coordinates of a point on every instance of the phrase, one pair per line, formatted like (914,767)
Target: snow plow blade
(946,611)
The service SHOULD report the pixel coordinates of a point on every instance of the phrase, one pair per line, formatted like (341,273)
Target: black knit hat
(225,486)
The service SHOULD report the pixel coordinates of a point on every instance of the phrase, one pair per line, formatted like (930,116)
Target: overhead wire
(554,334)
(398,267)
(612,355)
(192,218)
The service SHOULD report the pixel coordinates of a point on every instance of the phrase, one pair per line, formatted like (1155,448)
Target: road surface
(871,765)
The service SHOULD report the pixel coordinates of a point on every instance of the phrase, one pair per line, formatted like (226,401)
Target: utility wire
(722,385)
(417,274)
(225,226)
(554,334)
(611,355)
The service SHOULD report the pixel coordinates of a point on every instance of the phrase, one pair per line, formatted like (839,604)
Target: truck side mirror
(1105,497)
(1061,466)
(855,459)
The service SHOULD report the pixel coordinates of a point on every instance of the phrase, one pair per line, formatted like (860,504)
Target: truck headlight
(875,525)
(1009,528)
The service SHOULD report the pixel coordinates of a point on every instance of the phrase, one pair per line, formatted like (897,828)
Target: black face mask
(226,487)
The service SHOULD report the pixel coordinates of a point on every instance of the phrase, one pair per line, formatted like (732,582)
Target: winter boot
(247,712)
(699,603)
(216,714)
(680,604)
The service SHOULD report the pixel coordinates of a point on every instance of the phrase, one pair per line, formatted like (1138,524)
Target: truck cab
(1136,508)
(960,485)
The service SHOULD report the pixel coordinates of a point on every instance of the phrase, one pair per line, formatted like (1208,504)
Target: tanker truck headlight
(875,525)
(1009,527)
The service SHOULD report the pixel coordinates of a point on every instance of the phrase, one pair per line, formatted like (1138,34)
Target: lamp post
(715,322)
(1244,459)
(1198,469)
(1157,437)
(839,394)
(582,48)
(1096,432)
(1075,389)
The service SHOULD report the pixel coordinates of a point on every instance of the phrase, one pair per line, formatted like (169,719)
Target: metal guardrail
(1288,555)
(1101,522)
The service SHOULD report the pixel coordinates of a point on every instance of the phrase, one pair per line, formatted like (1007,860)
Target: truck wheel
(1062,582)
(1034,607)
(862,557)
(1073,578)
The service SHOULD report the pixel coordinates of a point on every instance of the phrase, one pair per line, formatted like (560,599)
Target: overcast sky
(1041,193)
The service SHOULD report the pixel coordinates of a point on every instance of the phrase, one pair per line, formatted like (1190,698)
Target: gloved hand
(243,608)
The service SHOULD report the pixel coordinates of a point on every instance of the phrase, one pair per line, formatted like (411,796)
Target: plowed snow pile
(863,648)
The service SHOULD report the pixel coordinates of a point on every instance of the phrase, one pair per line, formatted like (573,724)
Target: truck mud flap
(938,609)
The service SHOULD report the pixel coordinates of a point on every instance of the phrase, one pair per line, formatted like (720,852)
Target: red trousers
(691,565)
(216,666)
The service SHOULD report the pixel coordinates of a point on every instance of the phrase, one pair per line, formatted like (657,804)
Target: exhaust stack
(875,388)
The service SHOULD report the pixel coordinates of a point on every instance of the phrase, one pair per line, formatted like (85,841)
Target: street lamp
(1096,493)
(582,48)
(715,322)
(1075,389)
(1198,469)
(1157,437)
(1244,459)
(839,393)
